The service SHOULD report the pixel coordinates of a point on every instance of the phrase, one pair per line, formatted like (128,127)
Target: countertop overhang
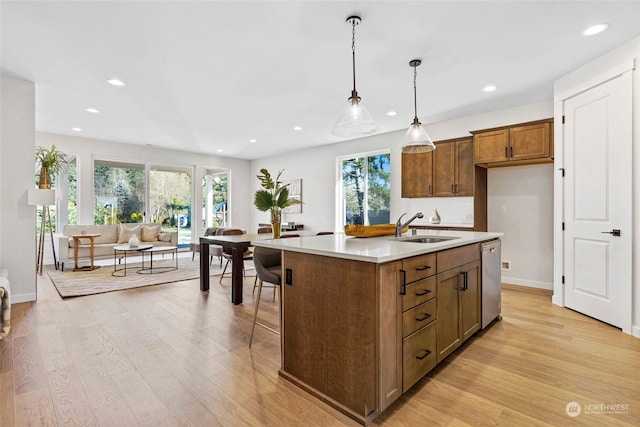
(375,249)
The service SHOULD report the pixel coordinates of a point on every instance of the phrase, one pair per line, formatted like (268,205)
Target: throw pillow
(125,232)
(150,233)
(164,237)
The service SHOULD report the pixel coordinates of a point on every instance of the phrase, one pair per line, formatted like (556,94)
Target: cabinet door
(444,167)
(530,142)
(417,175)
(470,299)
(448,313)
(491,147)
(465,168)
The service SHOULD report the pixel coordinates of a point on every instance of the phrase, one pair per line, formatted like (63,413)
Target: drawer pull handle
(426,267)
(426,353)
(403,289)
(422,319)
(424,292)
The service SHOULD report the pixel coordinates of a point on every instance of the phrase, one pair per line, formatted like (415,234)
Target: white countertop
(428,224)
(374,249)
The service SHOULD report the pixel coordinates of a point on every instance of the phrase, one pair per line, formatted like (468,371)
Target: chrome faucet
(400,225)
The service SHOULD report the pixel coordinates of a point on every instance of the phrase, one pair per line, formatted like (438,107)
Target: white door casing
(597,200)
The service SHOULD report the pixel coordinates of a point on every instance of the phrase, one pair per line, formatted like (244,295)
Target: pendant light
(416,139)
(354,120)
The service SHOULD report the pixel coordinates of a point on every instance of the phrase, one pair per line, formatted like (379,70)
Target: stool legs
(255,312)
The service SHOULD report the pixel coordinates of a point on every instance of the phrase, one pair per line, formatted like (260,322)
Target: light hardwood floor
(171,355)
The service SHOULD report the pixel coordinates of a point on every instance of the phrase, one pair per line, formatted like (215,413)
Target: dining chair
(226,253)
(214,250)
(268,269)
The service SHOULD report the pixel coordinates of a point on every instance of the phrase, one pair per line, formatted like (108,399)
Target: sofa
(110,236)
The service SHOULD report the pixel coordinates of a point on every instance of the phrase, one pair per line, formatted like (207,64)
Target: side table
(76,243)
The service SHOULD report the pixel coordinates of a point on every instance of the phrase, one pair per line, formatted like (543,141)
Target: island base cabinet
(418,355)
(458,308)
(340,331)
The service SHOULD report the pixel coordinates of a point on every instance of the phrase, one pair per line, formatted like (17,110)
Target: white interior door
(598,178)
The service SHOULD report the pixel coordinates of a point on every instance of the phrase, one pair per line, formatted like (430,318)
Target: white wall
(317,168)
(526,194)
(578,79)
(86,150)
(17,166)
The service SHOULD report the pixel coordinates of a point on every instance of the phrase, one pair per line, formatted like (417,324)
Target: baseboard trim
(635,331)
(528,283)
(16,299)
(522,288)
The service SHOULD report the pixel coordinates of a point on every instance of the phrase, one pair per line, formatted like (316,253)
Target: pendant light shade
(416,140)
(354,120)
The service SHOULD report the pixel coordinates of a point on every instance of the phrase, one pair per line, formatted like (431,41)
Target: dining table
(238,243)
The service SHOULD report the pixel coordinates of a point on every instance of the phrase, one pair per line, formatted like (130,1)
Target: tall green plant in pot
(51,161)
(273,197)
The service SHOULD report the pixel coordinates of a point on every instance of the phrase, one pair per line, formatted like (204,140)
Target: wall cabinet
(447,171)
(453,168)
(458,288)
(524,143)
(417,175)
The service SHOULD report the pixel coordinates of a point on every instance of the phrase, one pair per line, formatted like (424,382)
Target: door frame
(558,183)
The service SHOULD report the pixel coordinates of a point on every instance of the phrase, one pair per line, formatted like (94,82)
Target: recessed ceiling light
(92,110)
(253,141)
(76,129)
(391,113)
(115,82)
(219,150)
(489,88)
(297,128)
(149,145)
(595,29)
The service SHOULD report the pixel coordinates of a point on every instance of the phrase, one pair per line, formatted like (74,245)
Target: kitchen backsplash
(454,211)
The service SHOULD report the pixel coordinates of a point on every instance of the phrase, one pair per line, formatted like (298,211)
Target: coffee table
(162,269)
(124,250)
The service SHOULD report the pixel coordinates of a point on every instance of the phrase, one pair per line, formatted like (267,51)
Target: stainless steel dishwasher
(491,281)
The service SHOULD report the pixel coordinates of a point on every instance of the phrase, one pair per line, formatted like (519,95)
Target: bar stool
(263,230)
(268,269)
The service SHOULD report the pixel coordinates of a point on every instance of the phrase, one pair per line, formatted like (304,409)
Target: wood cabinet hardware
(424,292)
(423,318)
(426,353)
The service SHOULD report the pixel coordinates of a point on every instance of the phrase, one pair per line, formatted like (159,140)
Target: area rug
(79,283)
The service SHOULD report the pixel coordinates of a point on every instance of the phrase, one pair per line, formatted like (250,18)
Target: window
(119,192)
(170,200)
(365,189)
(215,212)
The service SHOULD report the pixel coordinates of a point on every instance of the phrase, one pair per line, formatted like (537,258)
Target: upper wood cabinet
(417,175)
(524,143)
(447,171)
(453,168)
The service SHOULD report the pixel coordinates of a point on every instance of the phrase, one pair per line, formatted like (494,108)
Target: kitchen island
(364,319)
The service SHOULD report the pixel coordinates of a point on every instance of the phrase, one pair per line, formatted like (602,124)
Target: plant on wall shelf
(273,197)
(51,161)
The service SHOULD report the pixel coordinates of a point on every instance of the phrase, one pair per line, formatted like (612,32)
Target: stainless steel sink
(424,239)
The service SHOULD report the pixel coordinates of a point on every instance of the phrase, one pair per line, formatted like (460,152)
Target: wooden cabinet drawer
(419,292)
(419,267)
(452,258)
(418,317)
(418,355)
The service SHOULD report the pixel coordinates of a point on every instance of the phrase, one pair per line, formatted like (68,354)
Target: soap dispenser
(435,217)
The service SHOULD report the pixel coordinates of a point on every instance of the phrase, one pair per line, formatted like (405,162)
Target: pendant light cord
(353,51)
(415,97)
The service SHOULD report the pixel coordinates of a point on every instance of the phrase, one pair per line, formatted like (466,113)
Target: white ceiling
(204,76)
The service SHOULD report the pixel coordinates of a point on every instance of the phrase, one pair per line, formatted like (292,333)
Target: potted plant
(51,161)
(273,197)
